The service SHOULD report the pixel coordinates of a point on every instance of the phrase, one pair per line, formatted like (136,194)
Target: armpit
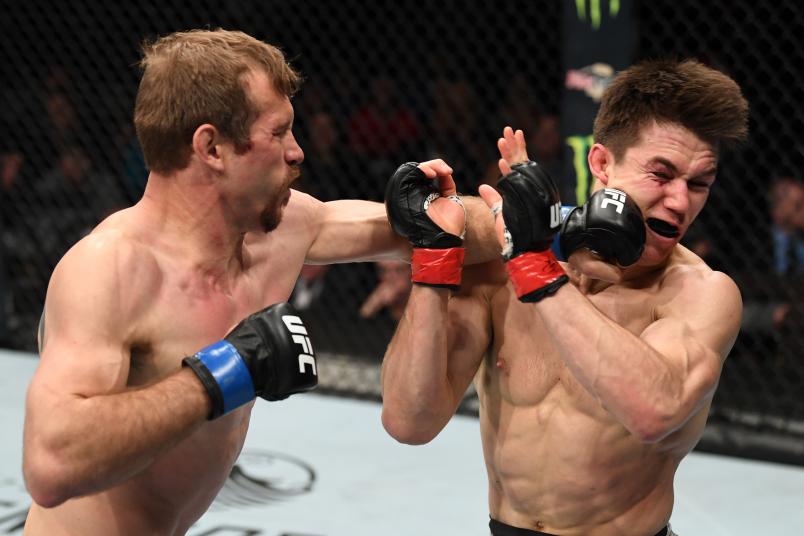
(40,333)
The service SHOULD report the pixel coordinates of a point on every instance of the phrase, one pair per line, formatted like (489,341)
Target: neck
(187,213)
(643,269)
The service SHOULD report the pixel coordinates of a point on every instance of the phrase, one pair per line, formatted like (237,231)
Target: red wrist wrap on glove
(534,270)
(440,267)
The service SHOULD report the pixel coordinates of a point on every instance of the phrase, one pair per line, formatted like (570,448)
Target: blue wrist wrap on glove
(230,373)
(556,245)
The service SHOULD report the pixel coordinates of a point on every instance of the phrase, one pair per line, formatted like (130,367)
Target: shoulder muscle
(95,297)
(705,305)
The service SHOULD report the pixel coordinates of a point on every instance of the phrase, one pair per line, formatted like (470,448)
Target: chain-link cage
(758,193)
(394,81)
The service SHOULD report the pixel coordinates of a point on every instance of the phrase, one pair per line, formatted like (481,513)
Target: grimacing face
(668,173)
(264,171)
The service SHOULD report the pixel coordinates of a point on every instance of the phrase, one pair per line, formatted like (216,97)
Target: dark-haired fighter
(594,377)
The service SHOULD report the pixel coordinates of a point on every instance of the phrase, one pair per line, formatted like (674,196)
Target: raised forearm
(481,243)
(91,444)
(638,385)
(418,399)
(353,231)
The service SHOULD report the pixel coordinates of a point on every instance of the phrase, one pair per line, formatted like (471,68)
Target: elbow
(657,420)
(652,426)
(406,430)
(44,497)
(44,480)
(650,432)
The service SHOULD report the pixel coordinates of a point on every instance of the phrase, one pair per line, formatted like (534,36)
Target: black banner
(599,40)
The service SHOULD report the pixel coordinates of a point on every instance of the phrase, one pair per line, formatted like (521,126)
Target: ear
(600,162)
(206,146)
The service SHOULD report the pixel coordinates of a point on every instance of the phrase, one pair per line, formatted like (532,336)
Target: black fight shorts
(501,529)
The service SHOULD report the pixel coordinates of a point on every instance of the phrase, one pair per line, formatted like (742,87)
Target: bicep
(697,331)
(353,230)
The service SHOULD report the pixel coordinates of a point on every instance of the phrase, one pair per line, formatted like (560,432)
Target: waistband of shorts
(499,528)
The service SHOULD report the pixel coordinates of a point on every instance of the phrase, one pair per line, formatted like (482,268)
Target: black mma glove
(609,224)
(437,255)
(532,215)
(268,354)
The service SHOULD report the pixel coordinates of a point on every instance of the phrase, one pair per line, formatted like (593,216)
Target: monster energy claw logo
(594,10)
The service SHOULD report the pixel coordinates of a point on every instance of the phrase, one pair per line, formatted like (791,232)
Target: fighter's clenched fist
(423,206)
(531,212)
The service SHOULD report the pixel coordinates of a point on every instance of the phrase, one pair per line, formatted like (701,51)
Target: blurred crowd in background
(58,182)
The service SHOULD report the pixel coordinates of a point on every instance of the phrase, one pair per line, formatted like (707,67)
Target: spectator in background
(383,131)
(309,286)
(392,290)
(326,175)
(58,80)
(787,225)
(456,132)
(773,304)
(75,118)
(544,142)
(63,118)
(77,198)
(18,253)
(10,164)
(790,328)
(62,128)
(133,170)
(519,106)
(699,240)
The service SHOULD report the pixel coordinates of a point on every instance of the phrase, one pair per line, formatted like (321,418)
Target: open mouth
(662,228)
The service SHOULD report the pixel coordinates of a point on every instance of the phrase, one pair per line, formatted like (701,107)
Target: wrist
(190,382)
(225,376)
(555,245)
(438,267)
(535,275)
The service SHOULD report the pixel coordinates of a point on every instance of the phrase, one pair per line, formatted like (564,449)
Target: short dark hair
(701,99)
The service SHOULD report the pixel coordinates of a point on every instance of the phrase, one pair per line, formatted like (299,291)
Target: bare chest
(189,313)
(525,367)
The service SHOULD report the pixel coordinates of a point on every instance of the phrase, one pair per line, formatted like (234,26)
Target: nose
(293,152)
(676,198)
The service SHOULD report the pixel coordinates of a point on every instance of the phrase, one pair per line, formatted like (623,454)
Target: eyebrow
(668,164)
(284,125)
(665,162)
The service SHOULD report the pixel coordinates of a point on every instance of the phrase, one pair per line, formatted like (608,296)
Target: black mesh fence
(392,81)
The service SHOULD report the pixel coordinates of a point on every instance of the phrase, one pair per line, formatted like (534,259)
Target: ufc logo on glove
(295,326)
(616,198)
(258,358)
(555,215)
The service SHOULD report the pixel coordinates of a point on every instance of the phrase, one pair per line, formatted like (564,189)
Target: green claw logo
(594,10)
